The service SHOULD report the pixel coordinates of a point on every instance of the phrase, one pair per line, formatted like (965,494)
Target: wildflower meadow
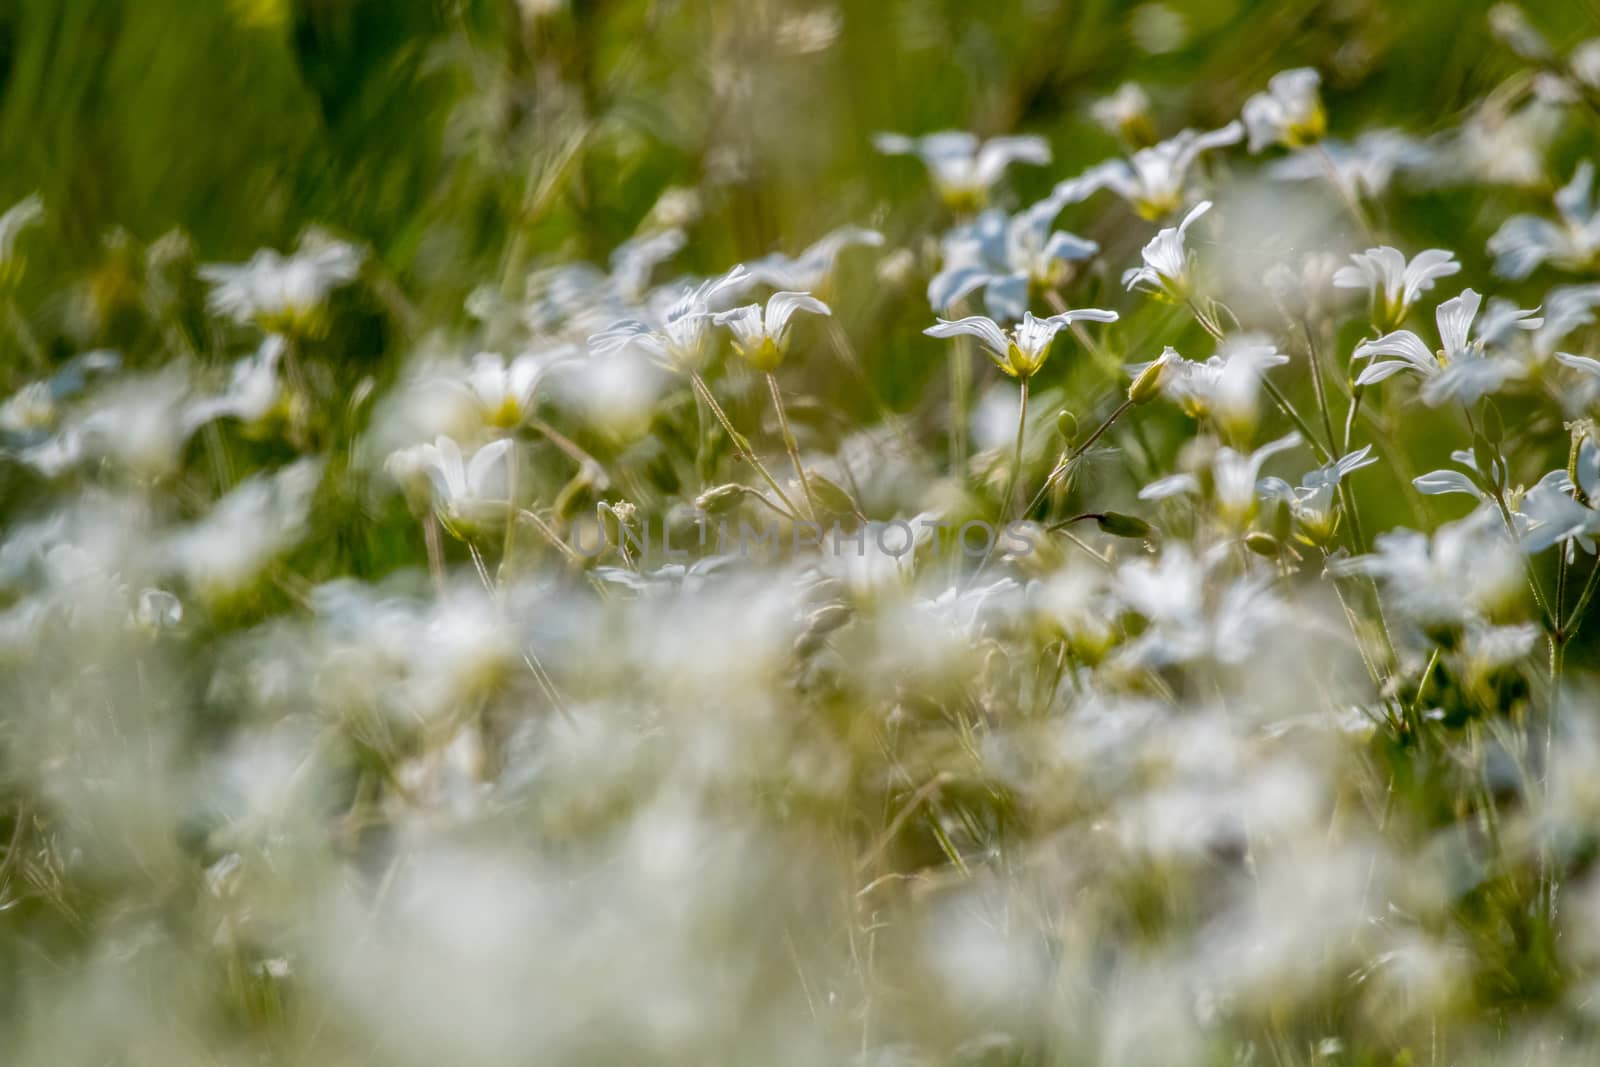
(799,532)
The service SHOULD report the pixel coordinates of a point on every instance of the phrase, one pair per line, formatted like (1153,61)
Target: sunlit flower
(634,260)
(1558,510)
(1391,282)
(963,168)
(1225,387)
(504,389)
(1460,369)
(1311,503)
(1021,350)
(1466,571)
(762,336)
(467,491)
(1006,257)
(258,520)
(283,292)
(1288,113)
(1167,260)
(1153,179)
(678,340)
(812,270)
(1233,481)
(253,389)
(1126,114)
(1524,242)
(1364,167)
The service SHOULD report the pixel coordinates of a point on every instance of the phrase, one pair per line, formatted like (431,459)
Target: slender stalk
(738,439)
(511,500)
(789,444)
(550,535)
(1016,461)
(1068,459)
(960,386)
(430,538)
(1209,325)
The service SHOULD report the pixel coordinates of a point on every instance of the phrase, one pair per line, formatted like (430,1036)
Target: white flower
(282,292)
(1460,370)
(1288,113)
(1467,570)
(1184,622)
(245,530)
(1584,60)
(1234,476)
(253,388)
(1311,502)
(1166,260)
(634,260)
(1523,242)
(1152,180)
(504,391)
(1224,387)
(1125,113)
(963,169)
(1394,284)
(1020,351)
(811,270)
(1364,167)
(678,339)
(762,337)
(1444,481)
(1006,256)
(467,492)
(1556,511)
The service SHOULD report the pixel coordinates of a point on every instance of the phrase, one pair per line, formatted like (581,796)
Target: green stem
(789,444)
(1068,459)
(1016,464)
(738,439)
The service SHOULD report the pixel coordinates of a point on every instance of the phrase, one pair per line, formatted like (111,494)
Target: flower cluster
(1142,629)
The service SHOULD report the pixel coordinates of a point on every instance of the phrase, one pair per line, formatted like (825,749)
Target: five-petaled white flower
(1311,502)
(1393,283)
(1225,387)
(1125,114)
(963,168)
(1153,179)
(1460,369)
(1559,510)
(503,390)
(1363,167)
(1019,351)
(811,270)
(678,341)
(762,338)
(1006,256)
(1288,113)
(1465,571)
(1166,260)
(282,292)
(467,492)
(1523,242)
(1233,480)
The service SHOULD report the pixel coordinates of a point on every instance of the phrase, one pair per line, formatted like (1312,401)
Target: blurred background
(444,134)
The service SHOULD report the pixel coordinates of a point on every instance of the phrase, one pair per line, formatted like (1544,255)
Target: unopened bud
(1117,524)
(1262,544)
(720,499)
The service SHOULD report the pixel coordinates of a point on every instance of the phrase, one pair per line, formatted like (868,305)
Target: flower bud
(1117,524)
